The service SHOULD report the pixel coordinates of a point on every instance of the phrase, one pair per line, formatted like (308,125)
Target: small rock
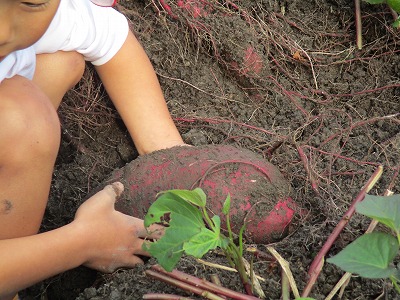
(115,295)
(90,292)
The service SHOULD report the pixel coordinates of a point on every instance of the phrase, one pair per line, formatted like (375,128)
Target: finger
(115,189)
(109,193)
(154,231)
(141,249)
(131,261)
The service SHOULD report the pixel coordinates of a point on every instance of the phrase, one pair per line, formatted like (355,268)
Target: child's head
(22,23)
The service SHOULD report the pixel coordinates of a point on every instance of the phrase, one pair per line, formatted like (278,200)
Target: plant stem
(194,282)
(394,281)
(241,239)
(209,222)
(255,283)
(316,265)
(358,24)
(164,297)
(394,14)
(233,252)
(260,254)
(346,277)
(228,225)
(183,285)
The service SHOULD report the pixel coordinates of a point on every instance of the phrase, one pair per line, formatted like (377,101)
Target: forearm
(27,260)
(133,86)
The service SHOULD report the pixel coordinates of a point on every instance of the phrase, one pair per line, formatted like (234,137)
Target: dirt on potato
(283,79)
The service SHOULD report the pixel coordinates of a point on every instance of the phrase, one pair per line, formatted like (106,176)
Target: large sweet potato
(259,193)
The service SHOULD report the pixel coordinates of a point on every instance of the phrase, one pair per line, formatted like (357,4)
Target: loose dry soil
(281,78)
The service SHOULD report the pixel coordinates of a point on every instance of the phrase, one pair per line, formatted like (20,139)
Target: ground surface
(281,78)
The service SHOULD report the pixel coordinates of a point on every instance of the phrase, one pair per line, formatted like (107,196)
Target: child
(43,45)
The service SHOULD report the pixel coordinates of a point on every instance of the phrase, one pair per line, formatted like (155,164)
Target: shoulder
(96,32)
(70,7)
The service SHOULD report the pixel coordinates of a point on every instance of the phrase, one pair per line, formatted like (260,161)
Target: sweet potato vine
(191,230)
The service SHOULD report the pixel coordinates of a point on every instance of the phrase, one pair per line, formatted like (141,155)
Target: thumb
(109,193)
(115,189)
(105,199)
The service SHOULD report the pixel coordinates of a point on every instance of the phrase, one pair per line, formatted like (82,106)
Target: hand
(113,239)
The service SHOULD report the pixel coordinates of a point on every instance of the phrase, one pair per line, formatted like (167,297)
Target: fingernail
(118,188)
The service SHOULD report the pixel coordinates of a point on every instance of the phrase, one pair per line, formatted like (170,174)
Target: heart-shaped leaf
(385,209)
(206,240)
(369,256)
(186,231)
(185,221)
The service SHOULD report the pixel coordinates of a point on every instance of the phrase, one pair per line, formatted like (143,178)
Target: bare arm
(25,261)
(132,84)
(99,237)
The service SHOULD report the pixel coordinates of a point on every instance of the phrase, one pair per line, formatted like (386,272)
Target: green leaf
(217,224)
(206,240)
(196,196)
(385,209)
(185,221)
(172,202)
(227,205)
(168,250)
(375,1)
(396,274)
(369,256)
(394,4)
(203,242)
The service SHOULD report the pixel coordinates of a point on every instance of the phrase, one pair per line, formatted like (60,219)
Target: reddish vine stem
(369,91)
(182,285)
(273,148)
(164,297)
(262,170)
(195,285)
(350,129)
(261,254)
(317,263)
(167,8)
(358,162)
(217,121)
(291,98)
(394,177)
(348,173)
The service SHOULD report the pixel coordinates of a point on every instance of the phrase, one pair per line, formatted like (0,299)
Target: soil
(283,79)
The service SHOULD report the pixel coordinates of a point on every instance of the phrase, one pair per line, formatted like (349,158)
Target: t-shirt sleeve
(21,62)
(79,25)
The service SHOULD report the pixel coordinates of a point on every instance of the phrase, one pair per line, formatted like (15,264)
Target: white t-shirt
(79,25)
(21,62)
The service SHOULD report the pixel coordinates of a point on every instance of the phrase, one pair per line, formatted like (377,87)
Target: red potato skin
(259,193)
(239,57)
